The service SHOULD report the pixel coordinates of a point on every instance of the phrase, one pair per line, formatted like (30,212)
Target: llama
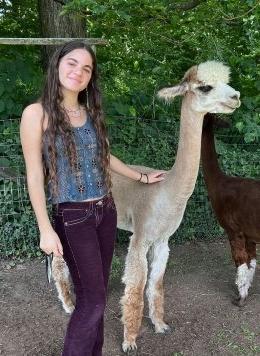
(236,203)
(154,212)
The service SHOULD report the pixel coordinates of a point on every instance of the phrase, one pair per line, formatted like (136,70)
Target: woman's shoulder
(33,114)
(33,110)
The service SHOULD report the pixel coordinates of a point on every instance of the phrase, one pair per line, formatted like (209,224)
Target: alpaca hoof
(239,302)
(68,308)
(162,329)
(129,347)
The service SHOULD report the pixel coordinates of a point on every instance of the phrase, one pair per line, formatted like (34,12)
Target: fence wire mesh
(136,141)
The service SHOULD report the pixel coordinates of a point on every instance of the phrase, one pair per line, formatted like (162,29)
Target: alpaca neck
(185,170)
(210,166)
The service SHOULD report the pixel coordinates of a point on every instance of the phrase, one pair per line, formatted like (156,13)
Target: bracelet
(143,174)
(147,179)
(139,180)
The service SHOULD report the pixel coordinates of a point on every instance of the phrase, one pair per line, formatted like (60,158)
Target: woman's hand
(120,167)
(153,177)
(50,242)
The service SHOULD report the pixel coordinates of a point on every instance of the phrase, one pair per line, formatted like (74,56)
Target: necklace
(73,112)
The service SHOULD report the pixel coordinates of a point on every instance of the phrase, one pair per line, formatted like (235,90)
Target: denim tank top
(87,180)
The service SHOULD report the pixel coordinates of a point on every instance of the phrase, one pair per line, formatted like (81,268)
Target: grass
(117,268)
(244,342)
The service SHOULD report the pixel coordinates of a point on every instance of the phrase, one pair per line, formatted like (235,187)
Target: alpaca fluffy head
(207,85)
(211,72)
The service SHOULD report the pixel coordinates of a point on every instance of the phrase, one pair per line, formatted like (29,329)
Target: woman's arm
(119,167)
(31,140)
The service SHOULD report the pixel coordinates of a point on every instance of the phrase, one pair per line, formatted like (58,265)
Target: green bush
(151,45)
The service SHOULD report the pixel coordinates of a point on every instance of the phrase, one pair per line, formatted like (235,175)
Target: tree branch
(60,2)
(187,5)
(244,14)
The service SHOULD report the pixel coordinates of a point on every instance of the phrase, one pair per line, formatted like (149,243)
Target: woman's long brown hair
(58,120)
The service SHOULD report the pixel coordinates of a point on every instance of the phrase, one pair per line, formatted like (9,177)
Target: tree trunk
(55,25)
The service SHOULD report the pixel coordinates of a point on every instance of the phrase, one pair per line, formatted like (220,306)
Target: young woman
(64,140)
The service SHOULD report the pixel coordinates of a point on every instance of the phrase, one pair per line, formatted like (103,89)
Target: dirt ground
(199,287)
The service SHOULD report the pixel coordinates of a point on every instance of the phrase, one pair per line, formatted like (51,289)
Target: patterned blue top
(87,180)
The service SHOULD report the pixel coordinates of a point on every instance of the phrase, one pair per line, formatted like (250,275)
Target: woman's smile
(76,80)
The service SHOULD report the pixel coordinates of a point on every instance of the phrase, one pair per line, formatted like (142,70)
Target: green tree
(152,43)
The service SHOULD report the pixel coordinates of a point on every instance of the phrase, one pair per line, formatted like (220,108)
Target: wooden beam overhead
(51,41)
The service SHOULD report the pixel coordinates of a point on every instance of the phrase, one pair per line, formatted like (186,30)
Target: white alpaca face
(215,97)
(206,84)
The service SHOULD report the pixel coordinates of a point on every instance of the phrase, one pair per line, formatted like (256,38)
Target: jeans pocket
(75,216)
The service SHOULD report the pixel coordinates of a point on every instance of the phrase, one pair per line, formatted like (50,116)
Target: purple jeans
(87,232)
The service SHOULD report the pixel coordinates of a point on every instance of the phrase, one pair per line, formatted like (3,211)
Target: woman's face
(75,70)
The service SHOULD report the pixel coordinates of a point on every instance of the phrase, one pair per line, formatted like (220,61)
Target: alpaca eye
(205,88)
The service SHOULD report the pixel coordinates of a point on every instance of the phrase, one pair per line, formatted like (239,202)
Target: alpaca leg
(61,278)
(251,251)
(242,282)
(135,276)
(240,256)
(155,293)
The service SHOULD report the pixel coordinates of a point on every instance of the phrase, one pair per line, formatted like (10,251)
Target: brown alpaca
(236,203)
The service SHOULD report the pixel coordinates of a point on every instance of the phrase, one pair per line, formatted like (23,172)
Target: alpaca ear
(169,94)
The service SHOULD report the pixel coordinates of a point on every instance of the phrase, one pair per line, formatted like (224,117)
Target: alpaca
(236,203)
(154,212)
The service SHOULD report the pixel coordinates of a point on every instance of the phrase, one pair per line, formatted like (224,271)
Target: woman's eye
(205,88)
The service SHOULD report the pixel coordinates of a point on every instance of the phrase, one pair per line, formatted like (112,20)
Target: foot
(129,347)
(239,301)
(162,328)
(69,308)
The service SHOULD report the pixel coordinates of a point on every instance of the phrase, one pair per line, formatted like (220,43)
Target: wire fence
(136,141)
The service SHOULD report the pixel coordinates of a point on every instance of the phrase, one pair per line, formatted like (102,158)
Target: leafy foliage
(150,45)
